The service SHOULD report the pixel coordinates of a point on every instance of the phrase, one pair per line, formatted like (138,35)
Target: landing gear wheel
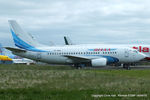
(77,66)
(126,66)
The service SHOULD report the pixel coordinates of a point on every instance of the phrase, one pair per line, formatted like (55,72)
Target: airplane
(78,55)
(8,58)
(23,61)
(1,50)
(5,60)
(141,48)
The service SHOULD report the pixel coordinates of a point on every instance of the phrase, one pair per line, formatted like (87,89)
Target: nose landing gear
(126,66)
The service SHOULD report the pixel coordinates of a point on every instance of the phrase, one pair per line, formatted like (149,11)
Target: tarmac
(138,67)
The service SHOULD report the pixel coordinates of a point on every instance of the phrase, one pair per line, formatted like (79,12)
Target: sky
(84,21)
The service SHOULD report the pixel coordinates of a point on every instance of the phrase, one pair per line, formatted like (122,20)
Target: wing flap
(78,58)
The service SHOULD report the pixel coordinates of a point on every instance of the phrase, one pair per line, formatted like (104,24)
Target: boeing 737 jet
(141,48)
(77,55)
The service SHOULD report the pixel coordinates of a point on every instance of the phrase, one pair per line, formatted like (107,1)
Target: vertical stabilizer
(21,38)
(1,50)
(67,41)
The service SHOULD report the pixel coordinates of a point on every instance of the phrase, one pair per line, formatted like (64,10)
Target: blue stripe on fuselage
(109,58)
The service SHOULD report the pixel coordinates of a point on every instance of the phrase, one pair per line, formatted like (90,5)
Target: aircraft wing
(77,57)
(80,58)
(15,49)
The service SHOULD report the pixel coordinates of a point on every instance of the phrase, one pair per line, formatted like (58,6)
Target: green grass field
(21,82)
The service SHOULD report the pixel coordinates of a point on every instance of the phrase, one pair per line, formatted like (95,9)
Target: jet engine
(99,62)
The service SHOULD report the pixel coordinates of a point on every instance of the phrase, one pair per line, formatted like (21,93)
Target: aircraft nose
(142,56)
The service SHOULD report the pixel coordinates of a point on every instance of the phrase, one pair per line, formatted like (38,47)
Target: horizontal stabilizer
(15,49)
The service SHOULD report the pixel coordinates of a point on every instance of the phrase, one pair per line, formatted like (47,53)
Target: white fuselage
(62,54)
(145,49)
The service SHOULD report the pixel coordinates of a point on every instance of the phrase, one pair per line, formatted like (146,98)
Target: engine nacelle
(99,62)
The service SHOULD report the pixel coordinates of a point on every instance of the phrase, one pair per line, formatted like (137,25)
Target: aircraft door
(39,56)
(126,53)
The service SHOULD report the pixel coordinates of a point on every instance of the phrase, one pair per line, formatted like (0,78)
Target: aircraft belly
(56,59)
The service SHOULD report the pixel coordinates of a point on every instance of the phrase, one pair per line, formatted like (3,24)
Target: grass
(21,82)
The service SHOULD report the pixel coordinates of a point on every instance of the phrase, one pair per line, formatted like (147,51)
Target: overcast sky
(84,21)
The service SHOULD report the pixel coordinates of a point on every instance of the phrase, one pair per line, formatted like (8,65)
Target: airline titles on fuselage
(102,49)
(141,49)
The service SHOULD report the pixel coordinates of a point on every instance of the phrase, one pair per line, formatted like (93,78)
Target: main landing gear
(79,66)
(126,66)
